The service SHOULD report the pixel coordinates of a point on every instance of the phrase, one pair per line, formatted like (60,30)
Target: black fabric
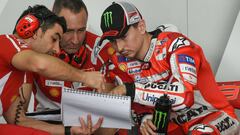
(67,130)
(117,19)
(44,112)
(130,90)
(113,20)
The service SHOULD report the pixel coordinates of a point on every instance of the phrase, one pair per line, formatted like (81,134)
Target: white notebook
(115,109)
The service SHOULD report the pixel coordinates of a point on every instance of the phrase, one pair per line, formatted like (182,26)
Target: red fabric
(179,45)
(7,129)
(10,78)
(173,54)
(231,90)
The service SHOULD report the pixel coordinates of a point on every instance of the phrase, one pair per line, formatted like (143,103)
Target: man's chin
(70,51)
(129,56)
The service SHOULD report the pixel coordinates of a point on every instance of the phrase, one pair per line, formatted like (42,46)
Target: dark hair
(46,17)
(73,5)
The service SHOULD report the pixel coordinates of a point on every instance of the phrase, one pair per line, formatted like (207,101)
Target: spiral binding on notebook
(92,93)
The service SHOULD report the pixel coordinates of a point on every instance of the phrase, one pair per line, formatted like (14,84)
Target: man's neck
(145,47)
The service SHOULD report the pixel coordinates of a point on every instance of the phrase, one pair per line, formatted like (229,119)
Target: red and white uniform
(177,66)
(11,79)
(48,91)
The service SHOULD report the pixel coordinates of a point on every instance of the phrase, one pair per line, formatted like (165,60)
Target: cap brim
(110,35)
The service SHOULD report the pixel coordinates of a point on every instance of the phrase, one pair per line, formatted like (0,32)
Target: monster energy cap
(117,18)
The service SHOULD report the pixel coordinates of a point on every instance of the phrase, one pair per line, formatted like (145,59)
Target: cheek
(66,37)
(136,42)
(114,46)
(50,44)
(81,36)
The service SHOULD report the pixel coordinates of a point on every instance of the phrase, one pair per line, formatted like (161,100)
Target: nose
(75,38)
(56,47)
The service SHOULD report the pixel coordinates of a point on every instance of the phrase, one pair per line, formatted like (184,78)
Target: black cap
(117,18)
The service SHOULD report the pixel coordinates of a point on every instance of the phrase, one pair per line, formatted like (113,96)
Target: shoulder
(168,28)
(10,42)
(174,40)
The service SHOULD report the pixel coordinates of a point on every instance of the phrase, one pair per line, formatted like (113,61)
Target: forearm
(46,65)
(51,128)
(106,131)
(57,69)
(16,115)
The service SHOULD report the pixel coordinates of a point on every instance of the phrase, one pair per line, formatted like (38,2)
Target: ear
(142,26)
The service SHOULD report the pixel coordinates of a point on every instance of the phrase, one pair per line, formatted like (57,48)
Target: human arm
(16,114)
(52,67)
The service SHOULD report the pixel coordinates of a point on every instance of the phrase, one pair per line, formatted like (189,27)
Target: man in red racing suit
(167,63)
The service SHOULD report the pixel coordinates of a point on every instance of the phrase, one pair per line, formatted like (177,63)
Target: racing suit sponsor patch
(154,77)
(161,42)
(190,114)
(162,54)
(150,50)
(186,59)
(190,78)
(189,69)
(149,98)
(54,83)
(134,71)
(148,93)
(123,67)
(177,43)
(161,86)
(225,124)
(122,58)
(54,92)
(133,64)
(174,67)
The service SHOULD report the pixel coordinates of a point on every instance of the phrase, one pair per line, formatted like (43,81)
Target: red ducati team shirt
(11,79)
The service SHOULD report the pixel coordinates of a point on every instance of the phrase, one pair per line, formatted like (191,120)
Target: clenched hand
(94,79)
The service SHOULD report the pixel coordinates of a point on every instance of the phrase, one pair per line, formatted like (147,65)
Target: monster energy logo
(159,116)
(108,19)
